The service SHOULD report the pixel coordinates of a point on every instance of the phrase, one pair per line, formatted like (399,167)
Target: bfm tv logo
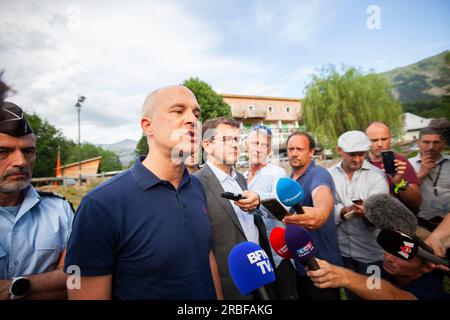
(261,259)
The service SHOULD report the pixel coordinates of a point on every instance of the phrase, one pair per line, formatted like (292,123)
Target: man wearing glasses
(232,222)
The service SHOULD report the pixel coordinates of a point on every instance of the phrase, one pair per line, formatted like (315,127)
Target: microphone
(278,243)
(250,269)
(290,194)
(301,244)
(403,246)
(387,212)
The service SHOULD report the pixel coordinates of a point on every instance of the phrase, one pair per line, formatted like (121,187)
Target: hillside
(426,80)
(124,149)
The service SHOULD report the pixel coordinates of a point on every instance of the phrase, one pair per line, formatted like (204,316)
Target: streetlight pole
(78,107)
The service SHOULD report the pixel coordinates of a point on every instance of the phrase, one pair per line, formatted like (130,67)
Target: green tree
(211,103)
(48,138)
(142,146)
(110,160)
(337,102)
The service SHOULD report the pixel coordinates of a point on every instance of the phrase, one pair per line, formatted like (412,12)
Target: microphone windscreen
(300,242)
(250,267)
(398,244)
(278,243)
(289,191)
(387,212)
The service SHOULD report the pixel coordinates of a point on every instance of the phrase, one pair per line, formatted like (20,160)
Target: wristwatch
(401,186)
(19,288)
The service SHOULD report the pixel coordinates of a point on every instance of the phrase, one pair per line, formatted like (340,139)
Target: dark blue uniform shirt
(325,239)
(154,239)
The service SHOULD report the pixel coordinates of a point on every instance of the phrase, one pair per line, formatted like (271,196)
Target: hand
(328,276)
(359,210)
(426,165)
(436,244)
(251,201)
(4,289)
(400,171)
(311,219)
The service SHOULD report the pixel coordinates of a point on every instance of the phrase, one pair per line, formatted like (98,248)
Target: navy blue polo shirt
(325,238)
(152,238)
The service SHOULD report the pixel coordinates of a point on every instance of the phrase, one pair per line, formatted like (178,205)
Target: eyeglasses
(228,140)
(262,127)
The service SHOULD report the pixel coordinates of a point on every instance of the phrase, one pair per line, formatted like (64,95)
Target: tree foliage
(142,146)
(211,103)
(337,102)
(48,138)
(110,160)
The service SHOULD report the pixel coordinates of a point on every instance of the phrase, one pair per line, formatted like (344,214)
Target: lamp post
(78,107)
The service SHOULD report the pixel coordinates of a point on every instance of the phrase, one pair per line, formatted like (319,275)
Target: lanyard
(435,182)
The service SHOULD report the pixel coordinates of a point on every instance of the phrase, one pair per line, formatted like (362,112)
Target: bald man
(404,185)
(145,233)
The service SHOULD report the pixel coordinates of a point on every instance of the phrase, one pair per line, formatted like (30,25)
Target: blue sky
(116,52)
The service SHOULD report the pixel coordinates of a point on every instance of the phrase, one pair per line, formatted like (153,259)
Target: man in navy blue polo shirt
(145,233)
(318,204)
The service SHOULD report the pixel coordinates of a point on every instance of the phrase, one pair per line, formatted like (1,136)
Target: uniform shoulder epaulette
(51,194)
(55,195)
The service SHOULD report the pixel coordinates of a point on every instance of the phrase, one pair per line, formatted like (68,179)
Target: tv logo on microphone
(406,249)
(305,250)
(261,259)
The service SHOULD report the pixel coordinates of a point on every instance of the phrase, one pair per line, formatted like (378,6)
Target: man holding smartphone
(403,183)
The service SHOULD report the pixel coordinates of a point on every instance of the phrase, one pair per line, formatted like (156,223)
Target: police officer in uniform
(34,226)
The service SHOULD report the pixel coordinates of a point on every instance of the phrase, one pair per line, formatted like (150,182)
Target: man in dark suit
(232,222)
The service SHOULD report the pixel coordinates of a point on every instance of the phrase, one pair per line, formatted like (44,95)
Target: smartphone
(388,162)
(357,201)
(275,208)
(232,196)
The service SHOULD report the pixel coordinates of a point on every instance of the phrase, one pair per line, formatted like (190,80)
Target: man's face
(224,145)
(174,124)
(299,153)
(258,147)
(380,139)
(399,267)
(17,157)
(352,161)
(431,145)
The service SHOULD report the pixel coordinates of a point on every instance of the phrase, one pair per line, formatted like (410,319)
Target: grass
(74,193)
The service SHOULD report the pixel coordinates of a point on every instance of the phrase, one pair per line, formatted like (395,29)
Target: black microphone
(405,247)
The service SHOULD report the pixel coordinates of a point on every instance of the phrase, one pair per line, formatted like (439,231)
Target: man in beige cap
(356,180)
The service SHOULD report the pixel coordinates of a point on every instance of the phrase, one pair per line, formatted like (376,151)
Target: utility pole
(78,107)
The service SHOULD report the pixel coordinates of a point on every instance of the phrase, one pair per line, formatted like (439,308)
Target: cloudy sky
(116,52)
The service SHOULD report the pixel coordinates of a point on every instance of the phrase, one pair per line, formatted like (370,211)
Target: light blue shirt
(264,183)
(230,184)
(434,204)
(356,240)
(31,241)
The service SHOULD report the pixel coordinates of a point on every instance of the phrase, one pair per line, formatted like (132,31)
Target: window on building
(270,109)
(250,108)
(288,109)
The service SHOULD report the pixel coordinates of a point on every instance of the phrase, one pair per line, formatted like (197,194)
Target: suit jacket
(227,231)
